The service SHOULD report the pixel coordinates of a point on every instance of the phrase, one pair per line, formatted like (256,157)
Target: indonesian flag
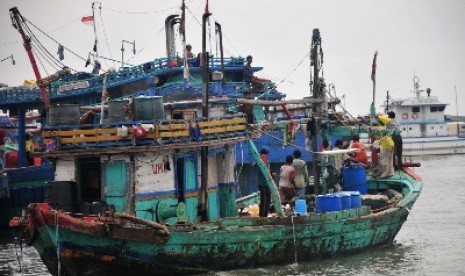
(88,20)
(373,67)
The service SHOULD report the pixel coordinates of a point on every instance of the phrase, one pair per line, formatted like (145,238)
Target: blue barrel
(355,199)
(300,207)
(346,200)
(328,203)
(354,179)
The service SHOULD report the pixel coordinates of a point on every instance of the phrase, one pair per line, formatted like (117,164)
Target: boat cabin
(421,115)
(149,168)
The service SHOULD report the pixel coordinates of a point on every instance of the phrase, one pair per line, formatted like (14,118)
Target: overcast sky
(421,37)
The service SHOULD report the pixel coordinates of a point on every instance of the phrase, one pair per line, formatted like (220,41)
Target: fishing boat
(130,199)
(158,197)
(126,203)
(423,124)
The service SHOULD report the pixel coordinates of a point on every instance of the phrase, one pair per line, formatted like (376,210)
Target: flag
(373,67)
(206,8)
(88,20)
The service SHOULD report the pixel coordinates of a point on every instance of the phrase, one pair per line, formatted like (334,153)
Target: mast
(182,31)
(373,78)
(387,102)
(204,149)
(17,21)
(316,107)
(220,34)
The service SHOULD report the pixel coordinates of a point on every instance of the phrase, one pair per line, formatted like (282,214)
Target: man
(265,194)
(286,181)
(394,126)
(256,82)
(189,53)
(301,174)
(360,155)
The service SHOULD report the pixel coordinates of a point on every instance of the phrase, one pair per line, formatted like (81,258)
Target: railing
(163,132)
(91,85)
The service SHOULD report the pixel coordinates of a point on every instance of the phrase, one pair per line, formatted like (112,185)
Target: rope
(58,244)
(66,48)
(293,233)
(40,48)
(20,256)
(142,12)
(105,35)
(295,68)
(40,61)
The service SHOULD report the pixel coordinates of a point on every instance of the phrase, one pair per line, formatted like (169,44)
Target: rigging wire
(54,40)
(105,35)
(141,12)
(44,52)
(46,59)
(40,61)
(143,48)
(57,64)
(293,70)
(64,26)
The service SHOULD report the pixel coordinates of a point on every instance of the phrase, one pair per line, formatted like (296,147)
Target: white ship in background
(423,125)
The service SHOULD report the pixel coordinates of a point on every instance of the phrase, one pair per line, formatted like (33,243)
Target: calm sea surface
(431,242)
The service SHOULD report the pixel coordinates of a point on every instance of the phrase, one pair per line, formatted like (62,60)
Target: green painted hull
(116,248)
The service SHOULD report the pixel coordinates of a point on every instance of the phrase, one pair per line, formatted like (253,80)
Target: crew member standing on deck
(301,174)
(286,181)
(394,126)
(265,193)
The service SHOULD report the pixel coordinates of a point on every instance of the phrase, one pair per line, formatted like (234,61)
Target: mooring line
(293,233)
(58,244)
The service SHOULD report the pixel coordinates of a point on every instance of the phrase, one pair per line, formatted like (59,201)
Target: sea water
(431,242)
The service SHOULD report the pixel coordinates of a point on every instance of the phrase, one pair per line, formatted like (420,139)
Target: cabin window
(433,109)
(404,129)
(410,128)
(415,109)
(441,108)
(462,127)
(432,127)
(184,114)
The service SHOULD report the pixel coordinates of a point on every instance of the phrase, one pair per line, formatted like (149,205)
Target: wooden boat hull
(113,246)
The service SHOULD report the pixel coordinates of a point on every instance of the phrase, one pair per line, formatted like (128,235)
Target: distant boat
(423,126)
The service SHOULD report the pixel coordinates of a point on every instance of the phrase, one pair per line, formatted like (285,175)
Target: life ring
(414,115)
(405,116)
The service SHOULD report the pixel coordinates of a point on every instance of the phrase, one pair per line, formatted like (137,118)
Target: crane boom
(17,22)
